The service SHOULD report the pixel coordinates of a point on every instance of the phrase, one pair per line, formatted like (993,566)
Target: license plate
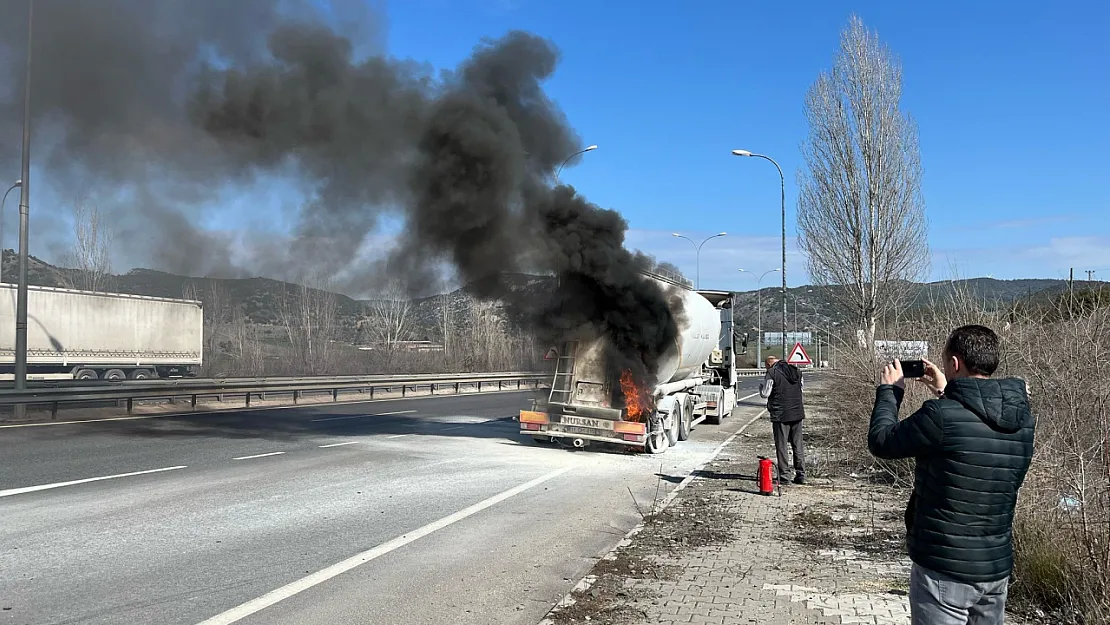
(597,424)
(570,429)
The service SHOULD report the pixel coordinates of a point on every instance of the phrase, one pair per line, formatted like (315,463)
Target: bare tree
(388,321)
(90,258)
(310,319)
(861,216)
(445,325)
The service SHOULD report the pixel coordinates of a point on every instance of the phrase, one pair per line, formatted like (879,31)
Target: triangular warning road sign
(798,356)
(552,354)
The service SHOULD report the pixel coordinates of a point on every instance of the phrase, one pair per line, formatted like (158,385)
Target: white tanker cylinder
(699,333)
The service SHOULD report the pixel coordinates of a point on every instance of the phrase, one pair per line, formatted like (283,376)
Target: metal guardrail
(139,390)
(186,382)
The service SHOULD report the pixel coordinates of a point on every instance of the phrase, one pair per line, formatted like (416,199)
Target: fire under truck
(695,382)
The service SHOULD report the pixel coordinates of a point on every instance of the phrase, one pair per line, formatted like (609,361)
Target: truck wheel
(657,442)
(141,374)
(86,374)
(684,426)
(115,375)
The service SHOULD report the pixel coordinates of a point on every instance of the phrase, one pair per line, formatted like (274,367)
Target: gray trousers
(792,433)
(937,599)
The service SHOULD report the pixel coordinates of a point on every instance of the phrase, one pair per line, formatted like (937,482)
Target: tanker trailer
(590,402)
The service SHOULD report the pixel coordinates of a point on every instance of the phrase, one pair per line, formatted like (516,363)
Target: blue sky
(1011,98)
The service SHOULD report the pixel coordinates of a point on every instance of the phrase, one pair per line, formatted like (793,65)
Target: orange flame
(636,399)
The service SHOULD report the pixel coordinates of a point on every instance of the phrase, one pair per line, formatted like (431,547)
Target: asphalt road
(428,510)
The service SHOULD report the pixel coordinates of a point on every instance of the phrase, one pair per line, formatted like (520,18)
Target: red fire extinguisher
(766,476)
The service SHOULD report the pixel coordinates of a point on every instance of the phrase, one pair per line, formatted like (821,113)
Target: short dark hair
(977,346)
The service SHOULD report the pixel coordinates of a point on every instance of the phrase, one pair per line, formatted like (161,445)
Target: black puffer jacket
(973,448)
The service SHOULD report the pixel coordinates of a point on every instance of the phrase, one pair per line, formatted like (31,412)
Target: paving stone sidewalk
(828,553)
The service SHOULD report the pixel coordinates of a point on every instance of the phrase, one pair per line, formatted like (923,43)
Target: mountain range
(260,300)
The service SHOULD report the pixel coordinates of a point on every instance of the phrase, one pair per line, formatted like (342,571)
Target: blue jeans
(937,599)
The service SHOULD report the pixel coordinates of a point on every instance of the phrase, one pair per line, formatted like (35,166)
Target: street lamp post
(782,181)
(24,214)
(759,316)
(559,169)
(3,203)
(697,247)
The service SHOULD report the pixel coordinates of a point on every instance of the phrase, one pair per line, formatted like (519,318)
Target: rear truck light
(532,416)
(629,427)
(530,426)
(634,438)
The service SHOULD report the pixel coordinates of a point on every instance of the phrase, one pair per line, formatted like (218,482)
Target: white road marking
(272,453)
(339,444)
(745,398)
(399,435)
(457,427)
(199,413)
(363,416)
(31,489)
(257,605)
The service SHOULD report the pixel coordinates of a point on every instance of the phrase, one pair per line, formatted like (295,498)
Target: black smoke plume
(161,105)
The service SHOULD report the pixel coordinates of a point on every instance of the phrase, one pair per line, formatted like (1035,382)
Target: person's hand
(934,378)
(892,374)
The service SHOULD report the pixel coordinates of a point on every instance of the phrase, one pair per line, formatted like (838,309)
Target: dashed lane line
(32,489)
(272,453)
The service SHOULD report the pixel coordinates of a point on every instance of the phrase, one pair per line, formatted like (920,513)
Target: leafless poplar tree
(861,216)
(446,321)
(90,258)
(310,319)
(389,317)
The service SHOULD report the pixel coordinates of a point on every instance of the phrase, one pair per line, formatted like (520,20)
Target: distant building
(902,350)
(775,338)
(411,346)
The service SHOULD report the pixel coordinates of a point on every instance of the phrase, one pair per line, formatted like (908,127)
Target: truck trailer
(107,336)
(695,382)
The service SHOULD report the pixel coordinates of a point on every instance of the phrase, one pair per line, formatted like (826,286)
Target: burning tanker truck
(695,381)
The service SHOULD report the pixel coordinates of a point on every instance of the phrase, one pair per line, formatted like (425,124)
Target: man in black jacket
(782,387)
(973,444)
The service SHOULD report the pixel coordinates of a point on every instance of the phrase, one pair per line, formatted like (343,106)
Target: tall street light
(4,203)
(759,315)
(782,181)
(24,214)
(559,169)
(697,247)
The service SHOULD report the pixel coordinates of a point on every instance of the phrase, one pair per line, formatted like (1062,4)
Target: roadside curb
(586,582)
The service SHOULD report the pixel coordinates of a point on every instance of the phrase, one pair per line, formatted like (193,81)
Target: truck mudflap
(542,424)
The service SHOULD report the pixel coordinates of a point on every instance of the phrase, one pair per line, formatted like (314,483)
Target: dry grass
(1062,525)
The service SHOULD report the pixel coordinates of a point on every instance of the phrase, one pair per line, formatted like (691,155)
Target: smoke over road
(161,107)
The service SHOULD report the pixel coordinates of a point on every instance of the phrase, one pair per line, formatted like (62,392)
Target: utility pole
(1071,279)
(24,215)
(1090,275)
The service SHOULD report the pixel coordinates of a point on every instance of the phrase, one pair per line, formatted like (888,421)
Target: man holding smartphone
(973,445)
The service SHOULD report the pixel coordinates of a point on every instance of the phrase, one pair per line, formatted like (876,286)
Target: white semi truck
(696,381)
(107,336)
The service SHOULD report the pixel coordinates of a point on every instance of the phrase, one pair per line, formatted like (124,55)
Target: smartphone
(913,368)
